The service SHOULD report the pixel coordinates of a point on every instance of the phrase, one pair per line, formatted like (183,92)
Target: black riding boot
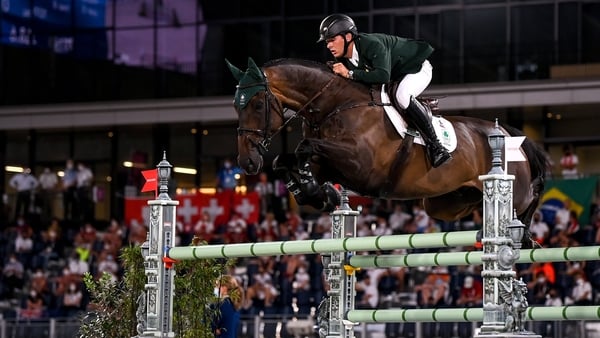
(419,117)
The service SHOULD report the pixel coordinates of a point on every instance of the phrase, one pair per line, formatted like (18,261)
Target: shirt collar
(354,58)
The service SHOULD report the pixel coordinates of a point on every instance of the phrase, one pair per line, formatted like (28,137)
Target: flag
(151,180)
(512,149)
(579,192)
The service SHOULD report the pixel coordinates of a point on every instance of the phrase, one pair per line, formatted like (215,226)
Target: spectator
(301,285)
(34,306)
(265,191)
(24,183)
(24,246)
(228,176)
(13,276)
(569,162)
(471,295)
(107,264)
(434,288)
(581,294)
(205,228)
(85,204)
(72,300)
(48,183)
(539,229)
(69,186)
(398,218)
(231,297)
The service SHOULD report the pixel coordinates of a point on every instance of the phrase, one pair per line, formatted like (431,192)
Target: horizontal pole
(348,244)
(582,253)
(533,313)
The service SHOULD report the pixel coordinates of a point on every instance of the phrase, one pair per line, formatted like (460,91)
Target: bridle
(265,142)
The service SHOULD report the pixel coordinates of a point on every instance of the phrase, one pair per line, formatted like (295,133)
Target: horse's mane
(300,62)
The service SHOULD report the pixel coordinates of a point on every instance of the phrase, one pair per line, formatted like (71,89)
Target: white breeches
(414,84)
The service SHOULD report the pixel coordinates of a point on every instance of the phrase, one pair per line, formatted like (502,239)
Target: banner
(580,193)
(219,206)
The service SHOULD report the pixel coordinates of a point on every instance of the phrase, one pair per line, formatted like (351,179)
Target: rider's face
(336,46)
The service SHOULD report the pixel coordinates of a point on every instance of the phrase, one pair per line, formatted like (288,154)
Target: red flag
(151,181)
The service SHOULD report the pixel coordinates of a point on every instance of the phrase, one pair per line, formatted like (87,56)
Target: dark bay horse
(348,139)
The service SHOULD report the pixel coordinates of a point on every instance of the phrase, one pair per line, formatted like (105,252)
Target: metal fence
(294,327)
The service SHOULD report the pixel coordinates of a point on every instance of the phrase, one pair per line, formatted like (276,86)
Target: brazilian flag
(580,192)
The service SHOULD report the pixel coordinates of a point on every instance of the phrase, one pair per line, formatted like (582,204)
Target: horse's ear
(251,63)
(237,73)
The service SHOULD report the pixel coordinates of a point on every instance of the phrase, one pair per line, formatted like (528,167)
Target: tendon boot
(419,117)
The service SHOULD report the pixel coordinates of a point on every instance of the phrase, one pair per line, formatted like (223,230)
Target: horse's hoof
(333,196)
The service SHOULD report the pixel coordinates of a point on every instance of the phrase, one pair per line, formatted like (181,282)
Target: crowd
(42,273)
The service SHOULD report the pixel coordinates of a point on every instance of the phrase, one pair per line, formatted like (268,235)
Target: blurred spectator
(113,238)
(581,294)
(205,228)
(421,218)
(538,228)
(34,306)
(434,288)
(265,191)
(77,265)
(48,183)
(562,216)
(538,289)
(25,184)
(569,162)
(301,285)
(228,176)
(13,276)
(107,264)
(367,293)
(398,218)
(236,229)
(69,186)
(471,295)
(24,245)
(85,203)
(137,233)
(268,227)
(72,300)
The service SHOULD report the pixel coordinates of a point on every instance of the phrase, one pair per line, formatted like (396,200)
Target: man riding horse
(379,59)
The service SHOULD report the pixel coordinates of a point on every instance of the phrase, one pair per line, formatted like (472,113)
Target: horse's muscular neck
(296,86)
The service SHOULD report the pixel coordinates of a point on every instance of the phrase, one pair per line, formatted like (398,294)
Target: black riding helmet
(336,24)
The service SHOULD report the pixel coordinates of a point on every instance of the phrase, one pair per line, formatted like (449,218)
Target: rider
(379,58)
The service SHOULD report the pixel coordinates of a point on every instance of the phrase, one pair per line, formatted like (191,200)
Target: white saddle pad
(443,128)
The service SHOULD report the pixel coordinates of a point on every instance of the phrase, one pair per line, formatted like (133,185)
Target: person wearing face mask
(34,306)
(581,294)
(230,296)
(12,274)
(72,300)
(228,176)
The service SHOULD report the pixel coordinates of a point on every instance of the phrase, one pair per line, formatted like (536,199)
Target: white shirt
(84,177)
(48,180)
(540,229)
(23,182)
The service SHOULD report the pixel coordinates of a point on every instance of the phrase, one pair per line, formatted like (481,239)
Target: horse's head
(260,116)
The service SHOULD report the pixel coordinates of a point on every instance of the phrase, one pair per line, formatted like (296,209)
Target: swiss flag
(219,206)
(137,209)
(248,206)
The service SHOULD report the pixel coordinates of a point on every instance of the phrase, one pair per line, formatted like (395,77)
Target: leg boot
(419,117)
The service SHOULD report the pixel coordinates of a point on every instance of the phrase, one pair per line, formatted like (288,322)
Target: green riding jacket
(385,58)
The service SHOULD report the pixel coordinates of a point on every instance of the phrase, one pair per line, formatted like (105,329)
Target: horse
(348,140)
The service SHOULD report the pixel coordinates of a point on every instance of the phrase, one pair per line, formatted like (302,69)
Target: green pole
(533,313)
(370,243)
(583,253)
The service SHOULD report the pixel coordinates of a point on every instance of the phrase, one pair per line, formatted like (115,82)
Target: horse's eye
(259,105)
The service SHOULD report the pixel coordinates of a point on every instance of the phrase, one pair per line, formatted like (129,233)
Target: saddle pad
(443,128)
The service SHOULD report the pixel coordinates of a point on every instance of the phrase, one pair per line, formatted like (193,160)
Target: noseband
(263,145)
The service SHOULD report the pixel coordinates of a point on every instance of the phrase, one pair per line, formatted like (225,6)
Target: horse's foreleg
(303,153)
(283,167)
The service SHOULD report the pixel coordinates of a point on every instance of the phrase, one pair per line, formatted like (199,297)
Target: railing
(296,327)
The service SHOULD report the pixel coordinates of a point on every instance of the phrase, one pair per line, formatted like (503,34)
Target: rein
(263,145)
